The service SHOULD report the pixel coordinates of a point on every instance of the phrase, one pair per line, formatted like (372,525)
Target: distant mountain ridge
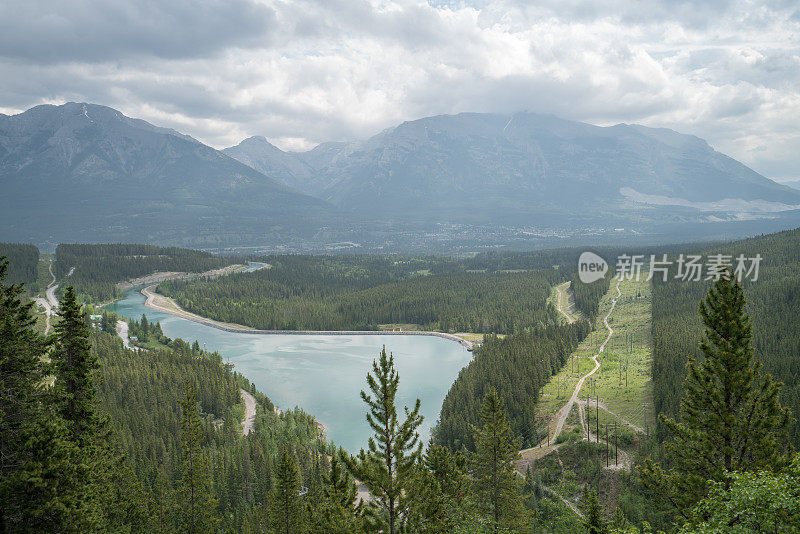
(83,172)
(87,173)
(523,169)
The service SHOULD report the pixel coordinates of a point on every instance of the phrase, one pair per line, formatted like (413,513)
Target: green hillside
(773,302)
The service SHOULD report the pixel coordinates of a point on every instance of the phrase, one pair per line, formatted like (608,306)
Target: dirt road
(564,411)
(563,304)
(50,303)
(249,412)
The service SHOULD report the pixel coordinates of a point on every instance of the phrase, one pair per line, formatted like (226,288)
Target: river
(324,374)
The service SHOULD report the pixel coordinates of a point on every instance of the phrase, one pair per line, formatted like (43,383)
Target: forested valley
(99,268)
(99,438)
(516,367)
(24,267)
(773,303)
(467,302)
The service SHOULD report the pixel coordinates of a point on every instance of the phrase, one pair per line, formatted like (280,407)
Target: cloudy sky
(303,72)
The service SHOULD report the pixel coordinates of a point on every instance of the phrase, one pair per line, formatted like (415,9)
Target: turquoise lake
(324,374)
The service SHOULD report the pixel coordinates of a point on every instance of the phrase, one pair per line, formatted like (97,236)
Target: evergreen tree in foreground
(286,513)
(388,467)
(39,488)
(594,522)
(496,485)
(339,510)
(74,365)
(113,496)
(731,418)
(196,504)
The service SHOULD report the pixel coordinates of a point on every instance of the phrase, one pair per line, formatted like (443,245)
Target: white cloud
(317,70)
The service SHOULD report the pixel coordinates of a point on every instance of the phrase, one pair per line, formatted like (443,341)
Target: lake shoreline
(165,304)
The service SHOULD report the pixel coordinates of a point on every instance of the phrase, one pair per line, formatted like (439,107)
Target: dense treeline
(727,452)
(150,441)
(517,367)
(773,303)
(587,296)
(352,293)
(23,261)
(98,268)
(140,391)
(565,259)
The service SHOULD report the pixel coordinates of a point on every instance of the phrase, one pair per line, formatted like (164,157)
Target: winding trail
(249,412)
(50,303)
(569,503)
(563,413)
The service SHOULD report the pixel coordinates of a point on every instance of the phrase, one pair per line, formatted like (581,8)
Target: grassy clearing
(399,326)
(567,301)
(630,348)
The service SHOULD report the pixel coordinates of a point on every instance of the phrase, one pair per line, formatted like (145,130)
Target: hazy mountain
(82,172)
(268,159)
(87,173)
(794,184)
(528,169)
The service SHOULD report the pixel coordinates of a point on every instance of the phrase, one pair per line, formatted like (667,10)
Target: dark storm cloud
(97,30)
(307,71)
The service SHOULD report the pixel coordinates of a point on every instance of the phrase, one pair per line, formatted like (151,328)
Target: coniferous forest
(515,367)
(100,438)
(23,261)
(773,302)
(96,269)
(361,293)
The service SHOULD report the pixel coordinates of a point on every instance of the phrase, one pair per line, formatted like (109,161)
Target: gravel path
(249,412)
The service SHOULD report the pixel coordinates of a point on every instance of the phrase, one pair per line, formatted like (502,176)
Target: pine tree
(74,365)
(106,324)
(197,505)
(594,522)
(387,468)
(337,510)
(730,418)
(114,497)
(286,514)
(449,469)
(496,486)
(339,486)
(39,488)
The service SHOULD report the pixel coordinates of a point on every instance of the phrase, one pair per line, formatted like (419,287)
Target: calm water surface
(324,374)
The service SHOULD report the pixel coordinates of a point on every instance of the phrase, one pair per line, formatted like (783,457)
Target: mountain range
(84,172)
(523,169)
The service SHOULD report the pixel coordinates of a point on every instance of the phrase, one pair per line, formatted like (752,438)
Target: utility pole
(616,445)
(548,430)
(588,422)
(597,409)
(606,425)
(597,405)
(644,409)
